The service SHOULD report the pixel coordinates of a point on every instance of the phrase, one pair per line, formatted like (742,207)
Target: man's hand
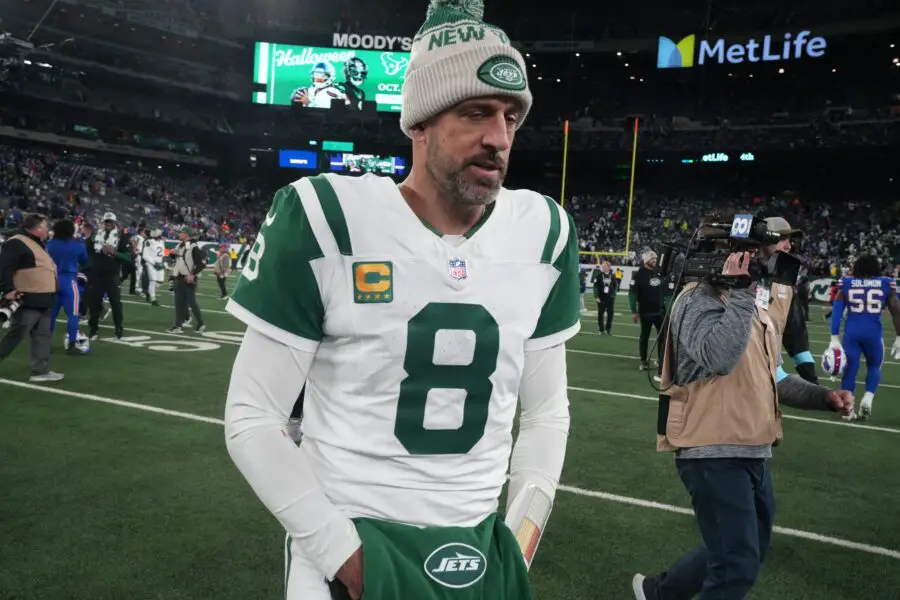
(351,574)
(737,264)
(13,295)
(840,401)
(189,279)
(635,317)
(109,250)
(301,97)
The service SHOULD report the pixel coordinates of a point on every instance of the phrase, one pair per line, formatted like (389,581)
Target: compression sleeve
(543,423)
(265,382)
(837,314)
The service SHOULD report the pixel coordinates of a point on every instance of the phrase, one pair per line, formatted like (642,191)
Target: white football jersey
(419,341)
(155,254)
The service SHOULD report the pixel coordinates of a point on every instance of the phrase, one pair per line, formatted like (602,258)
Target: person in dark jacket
(785,306)
(646,297)
(605,288)
(108,250)
(28,276)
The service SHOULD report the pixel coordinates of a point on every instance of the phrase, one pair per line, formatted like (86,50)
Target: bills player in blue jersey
(864,294)
(69,255)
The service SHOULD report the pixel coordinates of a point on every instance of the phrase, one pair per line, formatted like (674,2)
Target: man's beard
(452,179)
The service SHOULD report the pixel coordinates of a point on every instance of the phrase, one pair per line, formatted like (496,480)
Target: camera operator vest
(39,279)
(780,297)
(740,408)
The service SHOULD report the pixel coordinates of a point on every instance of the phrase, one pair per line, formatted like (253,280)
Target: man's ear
(417,133)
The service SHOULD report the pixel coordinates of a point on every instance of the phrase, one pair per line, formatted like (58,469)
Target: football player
(68,254)
(137,251)
(864,294)
(418,316)
(323,90)
(154,257)
(355,74)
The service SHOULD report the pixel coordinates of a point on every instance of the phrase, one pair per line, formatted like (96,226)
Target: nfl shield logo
(457,269)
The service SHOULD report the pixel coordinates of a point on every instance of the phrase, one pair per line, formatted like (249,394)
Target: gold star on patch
(359,296)
(387,296)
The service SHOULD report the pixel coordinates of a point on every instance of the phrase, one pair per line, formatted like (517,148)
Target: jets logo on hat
(502,72)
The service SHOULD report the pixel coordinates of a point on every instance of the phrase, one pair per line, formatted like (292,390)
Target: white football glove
(836,343)
(895,349)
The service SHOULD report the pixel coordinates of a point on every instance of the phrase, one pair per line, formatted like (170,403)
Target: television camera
(7,309)
(704,256)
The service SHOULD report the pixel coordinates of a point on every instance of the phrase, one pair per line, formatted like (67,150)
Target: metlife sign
(687,52)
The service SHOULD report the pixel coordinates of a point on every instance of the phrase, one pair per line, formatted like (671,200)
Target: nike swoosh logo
(270,219)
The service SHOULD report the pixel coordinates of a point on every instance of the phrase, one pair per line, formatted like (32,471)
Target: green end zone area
(115,483)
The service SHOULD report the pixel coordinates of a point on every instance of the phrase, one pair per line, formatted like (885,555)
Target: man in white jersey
(418,316)
(154,257)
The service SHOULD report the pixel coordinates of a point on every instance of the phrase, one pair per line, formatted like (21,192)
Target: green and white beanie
(456,56)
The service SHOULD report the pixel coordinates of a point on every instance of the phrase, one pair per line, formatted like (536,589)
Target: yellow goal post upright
(562,194)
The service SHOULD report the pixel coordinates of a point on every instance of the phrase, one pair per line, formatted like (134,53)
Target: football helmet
(355,71)
(322,74)
(834,361)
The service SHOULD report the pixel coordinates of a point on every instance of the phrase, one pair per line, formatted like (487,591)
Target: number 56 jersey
(419,340)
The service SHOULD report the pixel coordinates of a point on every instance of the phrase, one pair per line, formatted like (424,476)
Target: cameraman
(785,307)
(28,276)
(722,383)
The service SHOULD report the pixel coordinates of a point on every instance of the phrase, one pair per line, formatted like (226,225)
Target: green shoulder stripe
(334,214)
(553,234)
(277,292)
(562,309)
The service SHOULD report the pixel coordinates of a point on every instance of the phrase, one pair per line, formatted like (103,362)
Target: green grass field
(115,482)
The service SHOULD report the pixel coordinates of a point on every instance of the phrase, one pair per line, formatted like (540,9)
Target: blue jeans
(735,507)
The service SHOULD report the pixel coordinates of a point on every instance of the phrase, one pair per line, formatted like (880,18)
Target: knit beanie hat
(455,57)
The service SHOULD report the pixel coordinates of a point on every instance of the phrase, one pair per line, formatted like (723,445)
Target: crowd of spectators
(42,181)
(835,231)
(231,210)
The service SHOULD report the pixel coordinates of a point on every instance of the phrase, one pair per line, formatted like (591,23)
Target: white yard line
(807,535)
(653,342)
(838,423)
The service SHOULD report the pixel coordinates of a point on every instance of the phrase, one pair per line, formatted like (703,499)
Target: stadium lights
(533,66)
(642,80)
(834,70)
(577,54)
(540,78)
(558,80)
(626,64)
(618,54)
(632,77)
(781,71)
